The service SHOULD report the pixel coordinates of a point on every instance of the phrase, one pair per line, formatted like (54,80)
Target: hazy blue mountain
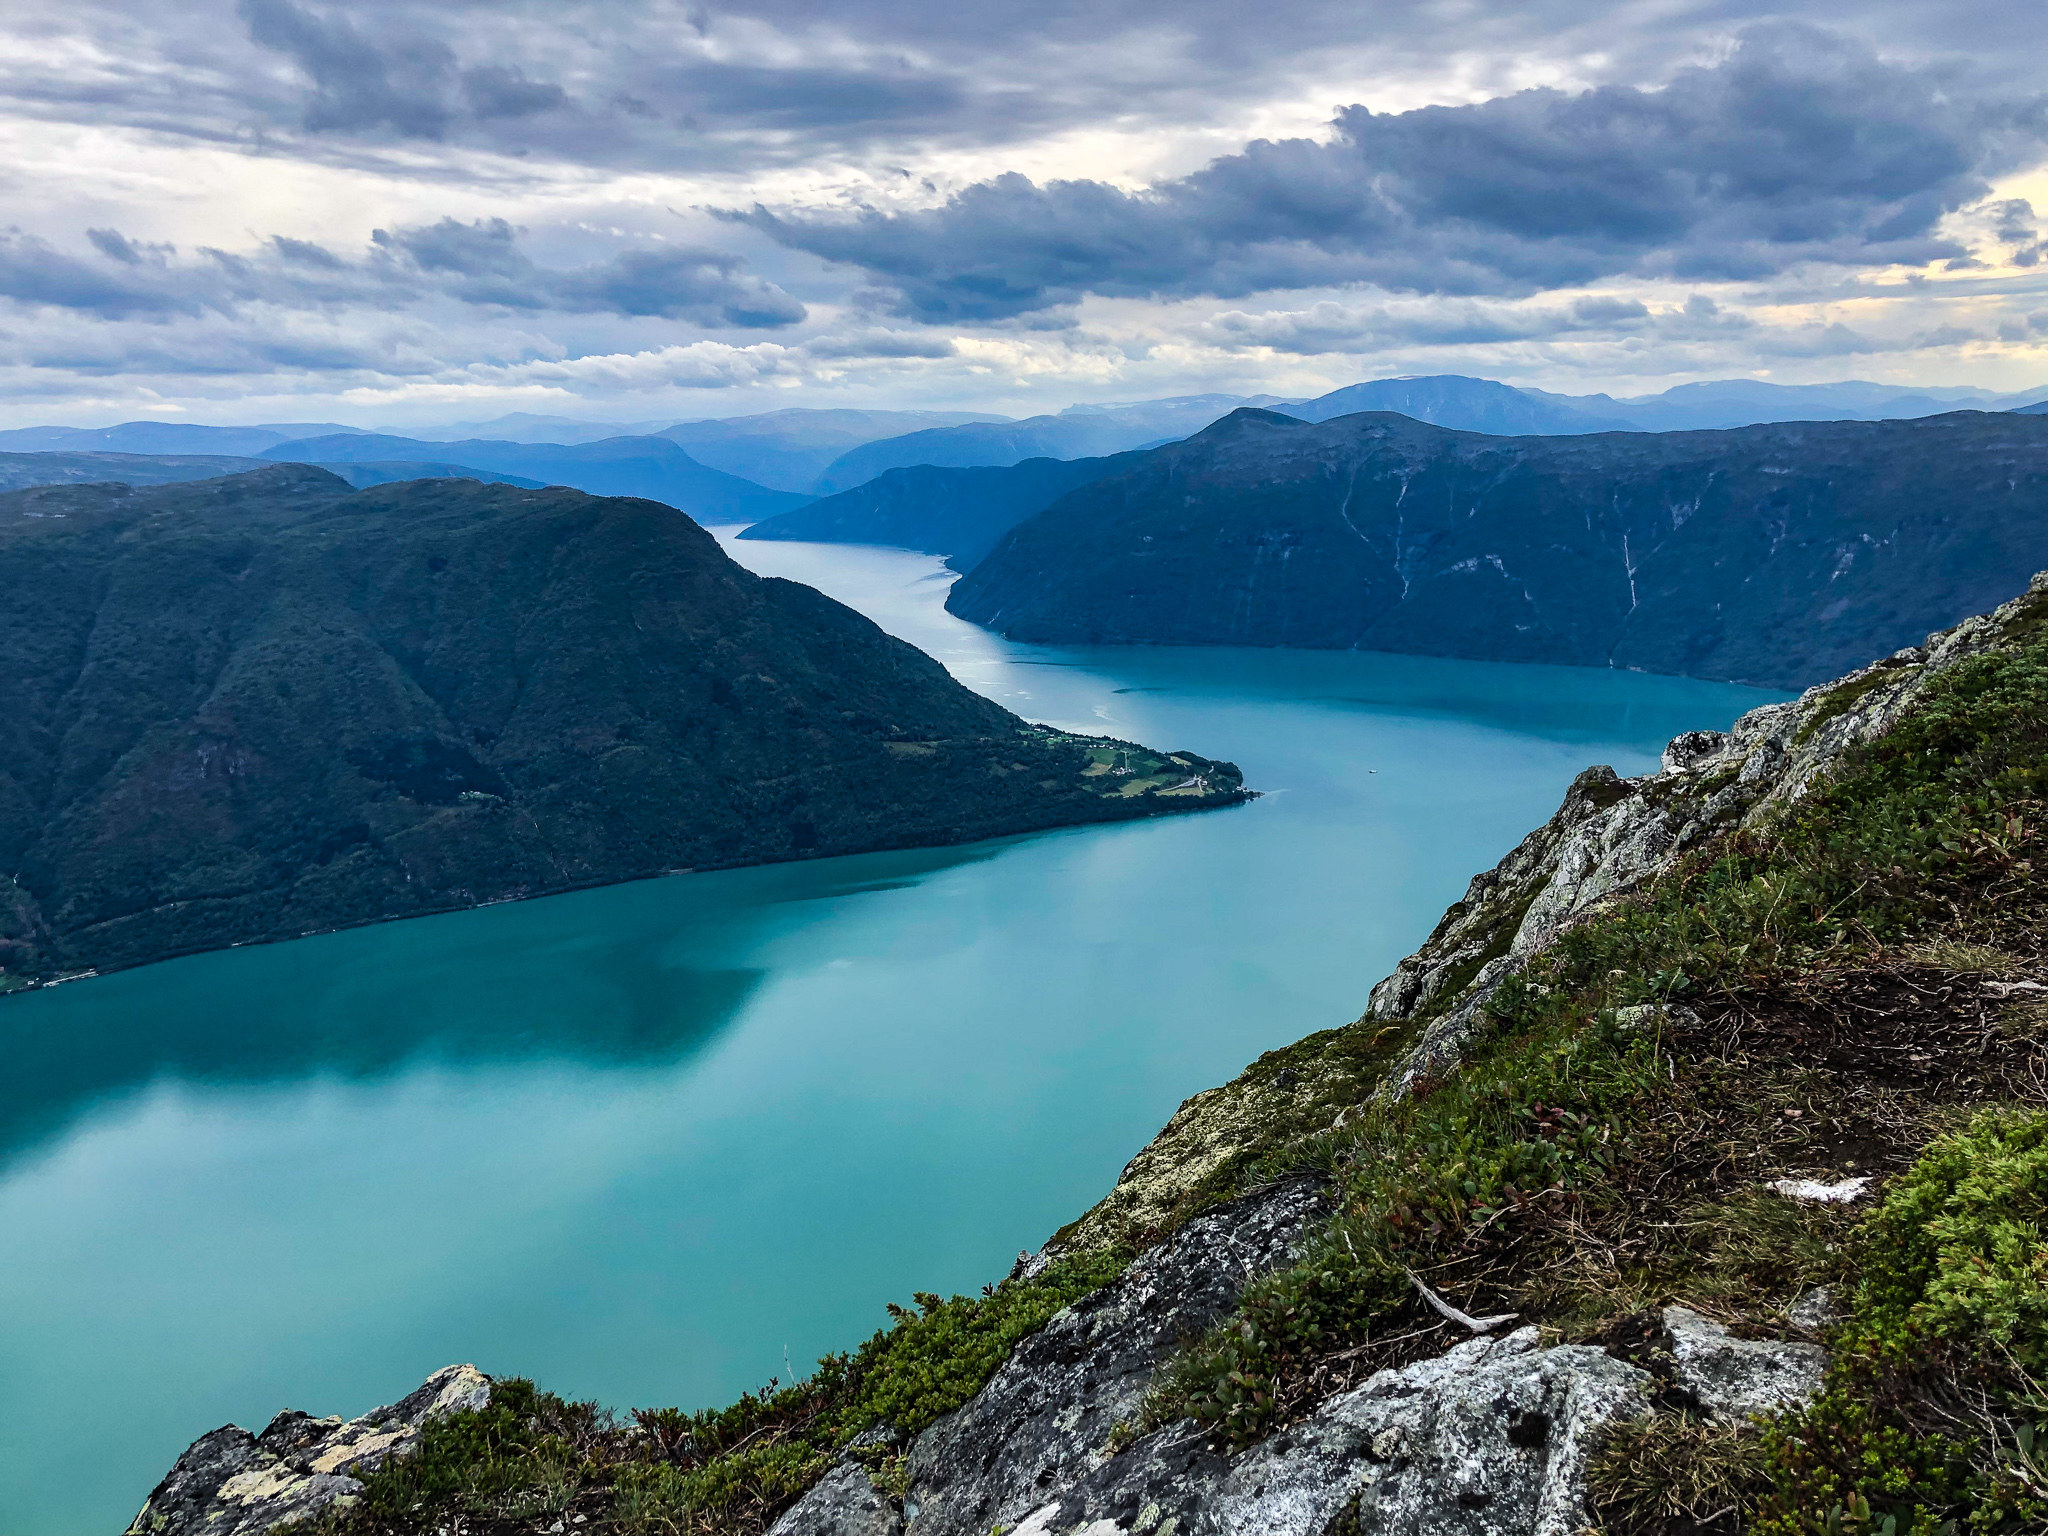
(956,512)
(163,437)
(1452,400)
(1448,400)
(526,427)
(388,471)
(2038,408)
(249,707)
(1747,402)
(789,450)
(19,470)
(652,467)
(1081,431)
(1778,555)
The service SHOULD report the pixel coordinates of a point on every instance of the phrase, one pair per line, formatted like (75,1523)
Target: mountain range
(1776,555)
(183,437)
(253,706)
(825,451)
(651,467)
(958,513)
(790,450)
(1447,400)
(18,471)
(1077,432)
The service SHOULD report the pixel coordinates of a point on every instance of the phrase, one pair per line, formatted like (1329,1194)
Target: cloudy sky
(407,212)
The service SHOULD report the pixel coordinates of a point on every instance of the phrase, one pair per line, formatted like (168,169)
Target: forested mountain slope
(250,707)
(1775,555)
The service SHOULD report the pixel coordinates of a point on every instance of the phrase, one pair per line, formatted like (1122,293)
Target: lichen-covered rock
(233,1483)
(1489,1439)
(1815,1310)
(845,1502)
(1611,835)
(1734,1379)
(1043,1423)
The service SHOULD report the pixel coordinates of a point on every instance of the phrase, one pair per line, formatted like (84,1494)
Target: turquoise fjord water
(659,1142)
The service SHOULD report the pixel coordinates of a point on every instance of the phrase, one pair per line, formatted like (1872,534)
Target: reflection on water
(620,977)
(659,1142)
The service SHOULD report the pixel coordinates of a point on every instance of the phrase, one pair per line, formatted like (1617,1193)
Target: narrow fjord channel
(658,1142)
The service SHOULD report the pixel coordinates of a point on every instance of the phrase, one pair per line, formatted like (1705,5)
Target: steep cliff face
(1778,555)
(1693,1177)
(1613,835)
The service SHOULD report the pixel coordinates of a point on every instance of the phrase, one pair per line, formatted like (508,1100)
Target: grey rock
(1735,1379)
(1490,1439)
(1640,1017)
(1043,1422)
(1612,835)
(844,1503)
(1689,749)
(1814,1310)
(233,1483)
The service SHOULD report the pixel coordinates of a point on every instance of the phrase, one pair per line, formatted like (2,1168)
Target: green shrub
(1957,1252)
(1936,822)
(529,1453)
(1927,1414)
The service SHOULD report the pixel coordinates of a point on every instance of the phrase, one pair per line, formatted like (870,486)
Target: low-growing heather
(1534,1172)
(734,1469)
(1928,1419)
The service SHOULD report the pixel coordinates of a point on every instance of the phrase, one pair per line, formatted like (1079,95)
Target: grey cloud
(1801,146)
(1459,322)
(34,272)
(1838,340)
(115,246)
(495,91)
(2013,220)
(713,92)
(786,82)
(482,264)
(678,285)
(305,253)
(486,251)
(479,263)
(881,343)
(356,83)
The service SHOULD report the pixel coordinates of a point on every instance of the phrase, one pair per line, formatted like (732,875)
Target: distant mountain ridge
(249,707)
(1446,400)
(1075,433)
(789,450)
(1451,400)
(960,513)
(163,437)
(652,467)
(822,451)
(1776,555)
(19,471)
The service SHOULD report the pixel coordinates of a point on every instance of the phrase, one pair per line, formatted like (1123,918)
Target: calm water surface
(659,1142)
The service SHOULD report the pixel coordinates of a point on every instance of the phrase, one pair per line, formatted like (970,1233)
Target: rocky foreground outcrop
(1612,835)
(1490,1437)
(233,1483)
